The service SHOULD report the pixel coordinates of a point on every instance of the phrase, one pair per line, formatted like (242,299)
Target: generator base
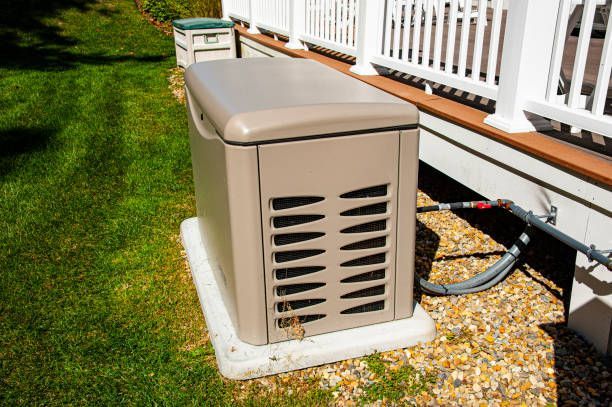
(240,360)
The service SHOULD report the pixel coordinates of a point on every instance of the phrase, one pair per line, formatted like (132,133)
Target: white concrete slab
(240,360)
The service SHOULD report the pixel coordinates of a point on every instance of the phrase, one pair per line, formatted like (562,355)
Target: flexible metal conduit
(503,266)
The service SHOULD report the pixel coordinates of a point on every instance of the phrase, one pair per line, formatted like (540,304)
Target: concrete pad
(240,360)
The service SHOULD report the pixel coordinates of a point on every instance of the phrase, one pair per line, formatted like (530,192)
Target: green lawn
(96,303)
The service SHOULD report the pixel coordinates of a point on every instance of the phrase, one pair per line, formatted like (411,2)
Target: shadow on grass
(28,41)
(17,143)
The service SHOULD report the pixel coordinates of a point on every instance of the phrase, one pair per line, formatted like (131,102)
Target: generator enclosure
(305,186)
(203,39)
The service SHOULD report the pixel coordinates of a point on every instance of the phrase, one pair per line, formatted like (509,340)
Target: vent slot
(291,322)
(374,209)
(364,261)
(293,305)
(283,257)
(373,306)
(289,238)
(366,244)
(366,292)
(375,226)
(282,274)
(296,288)
(279,204)
(286,221)
(369,192)
(369,276)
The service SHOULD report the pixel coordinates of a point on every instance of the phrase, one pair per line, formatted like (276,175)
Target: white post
(525,63)
(369,27)
(253,18)
(225,10)
(297,23)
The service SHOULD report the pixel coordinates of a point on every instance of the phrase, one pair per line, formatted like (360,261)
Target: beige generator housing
(203,39)
(305,183)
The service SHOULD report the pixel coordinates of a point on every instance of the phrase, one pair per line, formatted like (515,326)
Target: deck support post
(297,21)
(252,18)
(525,62)
(369,25)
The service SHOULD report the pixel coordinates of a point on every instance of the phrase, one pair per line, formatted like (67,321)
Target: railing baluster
(388,19)
(344,20)
(465,36)
(603,76)
(479,39)
(494,41)
(406,36)
(352,24)
(582,49)
(332,20)
(397,30)
(416,32)
(326,9)
(439,33)
(338,20)
(450,41)
(427,32)
(317,14)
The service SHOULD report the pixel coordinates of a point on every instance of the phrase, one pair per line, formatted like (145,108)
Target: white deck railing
(239,9)
(414,42)
(273,15)
(331,24)
(584,110)
(457,43)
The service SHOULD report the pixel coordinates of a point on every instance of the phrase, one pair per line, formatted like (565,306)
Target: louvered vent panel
(328,211)
(378,260)
(285,305)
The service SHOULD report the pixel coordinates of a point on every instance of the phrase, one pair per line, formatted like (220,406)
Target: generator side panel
(406,223)
(329,211)
(227,201)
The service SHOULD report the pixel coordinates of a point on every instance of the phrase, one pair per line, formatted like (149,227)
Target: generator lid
(255,100)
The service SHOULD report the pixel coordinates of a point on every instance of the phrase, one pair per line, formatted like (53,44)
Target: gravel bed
(505,346)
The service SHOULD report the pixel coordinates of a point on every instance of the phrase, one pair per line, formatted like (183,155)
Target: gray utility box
(203,39)
(305,183)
